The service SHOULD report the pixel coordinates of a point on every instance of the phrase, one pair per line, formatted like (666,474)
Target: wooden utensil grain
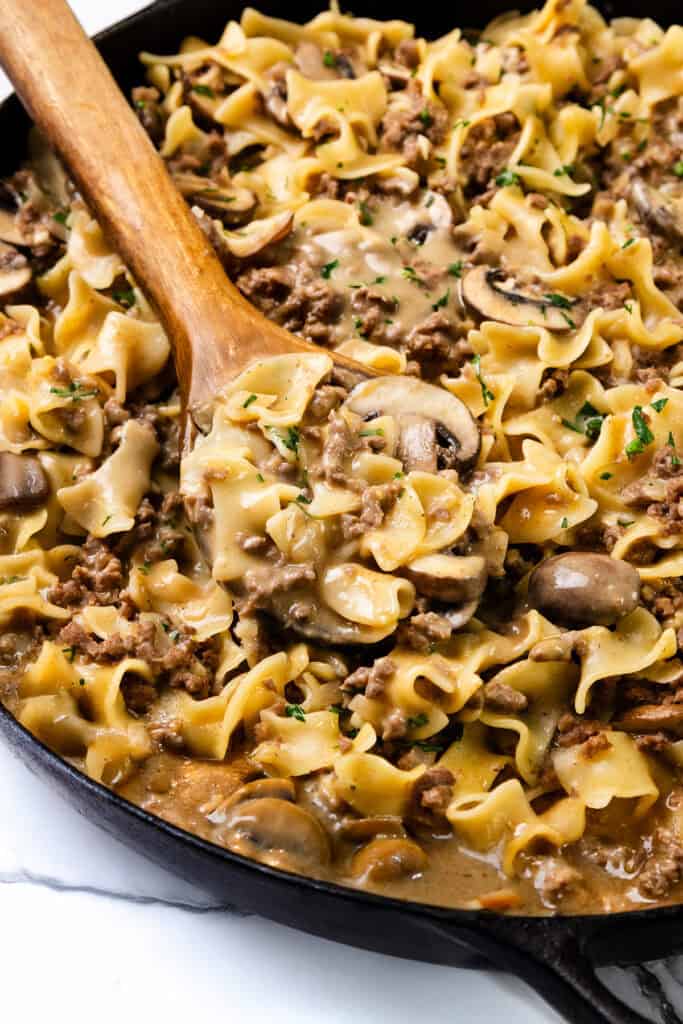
(71,95)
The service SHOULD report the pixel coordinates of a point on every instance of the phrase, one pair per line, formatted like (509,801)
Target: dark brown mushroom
(407,396)
(652,718)
(276,832)
(661,212)
(388,860)
(495,296)
(584,588)
(23,482)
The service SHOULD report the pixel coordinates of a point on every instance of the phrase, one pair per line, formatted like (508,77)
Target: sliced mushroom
(360,830)
(493,295)
(278,789)
(23,482)
(278,833)
(311,63)
(9,229)
(584,588)
(661,212)
(321,624)
(417,448)
(405,396)
(652,718)
(454,579)
(388,860)
(229,203)
(15,272)
(258,234)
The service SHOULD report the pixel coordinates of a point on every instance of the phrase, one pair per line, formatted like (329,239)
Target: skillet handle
(551,955)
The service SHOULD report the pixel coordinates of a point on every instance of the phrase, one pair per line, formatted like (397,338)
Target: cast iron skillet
(556,956)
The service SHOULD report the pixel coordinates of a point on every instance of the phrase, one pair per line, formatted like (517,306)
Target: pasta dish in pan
(420,632)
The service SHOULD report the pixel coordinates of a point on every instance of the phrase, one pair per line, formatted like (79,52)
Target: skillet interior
(570,946)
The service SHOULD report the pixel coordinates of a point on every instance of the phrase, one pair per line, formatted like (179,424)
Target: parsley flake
(125,298)
(295,711)
(417,721)
(365,217)
(587,421)
(329,59)
(61,216)
(486,393)
(659,404)
(204,90)
(628,243)
(644,435)
(564,524)
(443,301)
(678,169)
(507,177)
(328,268)
(606,476)
(455,269)
(249,401)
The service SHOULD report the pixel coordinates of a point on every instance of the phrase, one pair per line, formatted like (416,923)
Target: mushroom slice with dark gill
(15,272)
(276,832)
(23,483)
(417,443)
(663,213)
(584,588)
(494,295)
(400,397)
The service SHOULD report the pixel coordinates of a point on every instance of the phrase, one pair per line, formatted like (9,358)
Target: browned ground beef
(296,297)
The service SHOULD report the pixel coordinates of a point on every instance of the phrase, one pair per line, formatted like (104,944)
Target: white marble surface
(88,929)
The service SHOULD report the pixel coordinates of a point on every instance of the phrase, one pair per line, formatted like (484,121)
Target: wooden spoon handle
(70,93)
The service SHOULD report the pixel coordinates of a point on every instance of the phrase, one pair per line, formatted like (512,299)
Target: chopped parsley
(507,177)
(659,404)
(144,568)
(628,307)
(606,476)
(644,435)
(625,522)
(106,520)
(443,301)
(6,580)
(410,274)
(678,169)
(486,393)
(365,217)
(328,268)
(427,746)
(379,280)
(675,461)
(587,421)
(125,298)
(69,653)
(417,721)
(559,172)
(303,499)
(461,124)
(564,524)
(426,117)
(61,216)
(627,243)
(75,392)
(291,439)
(204,90)
(372,433)
(455,269)
(249,401)
(329,59)
(562,303)
(260,478)
(336,709)
(295,711)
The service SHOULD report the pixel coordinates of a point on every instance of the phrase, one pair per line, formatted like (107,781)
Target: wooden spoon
(70,93)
